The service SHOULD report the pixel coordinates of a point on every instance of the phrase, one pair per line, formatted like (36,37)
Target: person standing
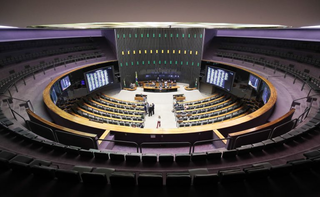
(148,108)
(159,122)
(152,109)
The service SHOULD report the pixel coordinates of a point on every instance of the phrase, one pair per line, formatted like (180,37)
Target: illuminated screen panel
(254,82)
(265,95)
(99,78)
(53,95)
(65,83)
(220,77)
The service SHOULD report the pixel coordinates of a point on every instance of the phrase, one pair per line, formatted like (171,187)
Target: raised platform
(155,87)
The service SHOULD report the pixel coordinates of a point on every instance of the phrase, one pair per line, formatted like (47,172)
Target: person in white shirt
(159,122)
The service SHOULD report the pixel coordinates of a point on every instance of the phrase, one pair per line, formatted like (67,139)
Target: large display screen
(254,82)
(220,77)
(99,78)
(65,82)
(53,95)
(265,95)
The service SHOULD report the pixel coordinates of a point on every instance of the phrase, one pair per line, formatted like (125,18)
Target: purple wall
(209,34)
(7,35)
(109,34)
(287,34)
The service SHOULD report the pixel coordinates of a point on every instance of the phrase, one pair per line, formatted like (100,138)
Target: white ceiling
(291,13)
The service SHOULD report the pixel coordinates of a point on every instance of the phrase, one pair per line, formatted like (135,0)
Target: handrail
(164,143)
(252,133)
(306,111)
(204,141)
(122,141)
(293,126)
(303,98)
(14,112)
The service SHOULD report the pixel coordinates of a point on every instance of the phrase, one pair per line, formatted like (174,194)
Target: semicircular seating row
(216,108)
(18,162)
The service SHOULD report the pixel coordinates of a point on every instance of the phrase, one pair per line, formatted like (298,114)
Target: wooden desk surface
(131,110)
(220,125)
(189,102)
(110,112)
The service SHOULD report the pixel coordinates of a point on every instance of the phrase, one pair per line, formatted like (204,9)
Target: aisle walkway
(163,104)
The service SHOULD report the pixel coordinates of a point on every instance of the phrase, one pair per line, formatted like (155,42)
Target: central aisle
(163,104)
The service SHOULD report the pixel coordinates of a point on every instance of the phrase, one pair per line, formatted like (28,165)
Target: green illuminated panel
(147,35)
(142,62)
(148,62)
(182,35)
(154,62)
(159,62)
(141,35)
(120,64)
(118,36)
(124,35)
(126,63)
(200,35)
(195,35)
(159,35)
(170,62)
(136,35)
(198,64)
(129,35)
(181,62)
(131,63)
(137,63)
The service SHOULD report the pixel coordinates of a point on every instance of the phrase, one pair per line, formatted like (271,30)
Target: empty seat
(205,180)
(94,178)
(182,157)
(229,153)
(214,155)
(149,158)
(5,156)
(312,154)
(232,175)
(101,155)
(86,153)
(280,170)
(198,157)
(166,158)
(106,171)
(178,179)
(150,179)
(43,172)
(68,175)
(122,179)
(244,149)
(117,156)
(133,157)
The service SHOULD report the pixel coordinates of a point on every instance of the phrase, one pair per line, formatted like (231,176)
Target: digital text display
(220,77)
(99,78)
(265,95)
(65,82)
(53,95)
(254,82)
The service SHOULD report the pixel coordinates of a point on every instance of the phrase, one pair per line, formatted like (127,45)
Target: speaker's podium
(160,87)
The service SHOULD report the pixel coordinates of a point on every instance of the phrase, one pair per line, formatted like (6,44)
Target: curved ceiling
(21,13)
